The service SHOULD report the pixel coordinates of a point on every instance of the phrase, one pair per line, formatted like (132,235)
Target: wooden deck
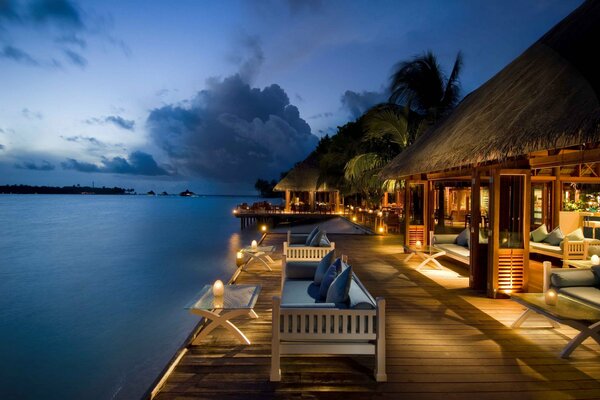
(444,341)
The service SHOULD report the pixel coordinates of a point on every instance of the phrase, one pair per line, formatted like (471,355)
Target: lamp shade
(254,244)
(218,288)
(418,244)
(595,260)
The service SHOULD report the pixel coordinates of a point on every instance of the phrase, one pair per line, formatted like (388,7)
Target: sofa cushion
(317,240)
(322,267)
(359,298)
(555,237)
(301,269)
(576,235)
(454,249)
(573,277)
(311,235)
(444,238)
(463,237)
(297,291)
(586,294)
(338,290)
(539,234)
(327,280)
(533,246)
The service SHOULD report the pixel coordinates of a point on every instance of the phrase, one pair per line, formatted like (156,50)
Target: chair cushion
(311,235)
(462,238)
(533,246)
(338,290)
(576,235)
(539,234)
(327,280)
(555,237)
(301,269)
(358,298)
(322,267)
(586,294)
(573,277)
(299,292)
(444,238)
(316,240)
(455,249)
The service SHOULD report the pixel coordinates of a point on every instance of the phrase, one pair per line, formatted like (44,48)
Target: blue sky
(211,95)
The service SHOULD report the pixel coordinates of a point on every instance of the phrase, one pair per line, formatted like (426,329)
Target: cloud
(71,39)
(18,55)
(79,139)
(116,120)
(138,163)
(63,13)
(43,166)
(232,132)
(357,103)
(27,113)
(248,56)
(1,147)
(76,58)
(321,115)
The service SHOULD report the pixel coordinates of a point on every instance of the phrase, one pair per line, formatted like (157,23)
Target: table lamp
(254,244)
(595,260)
(218,289)
(551,297)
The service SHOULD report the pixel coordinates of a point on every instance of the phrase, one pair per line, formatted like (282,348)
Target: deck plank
(443,341)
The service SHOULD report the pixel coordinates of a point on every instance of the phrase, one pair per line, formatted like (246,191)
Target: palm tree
(421,86)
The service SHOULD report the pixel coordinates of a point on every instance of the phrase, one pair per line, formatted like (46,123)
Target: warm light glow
(263,228)
(235,211)
(595,260)
(381,230)
(254,244)
(218,288)
(354,218)
(551,297)
(418,244)
(370,211)
(239,255)
(380,214)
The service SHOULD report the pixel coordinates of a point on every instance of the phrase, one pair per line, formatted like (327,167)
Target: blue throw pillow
(311,235)
(338,291)
(316,240)
(555,237)
(328,278)
(462,238)
(322,267)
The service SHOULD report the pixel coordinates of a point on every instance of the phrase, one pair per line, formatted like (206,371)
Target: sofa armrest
(573,277)
(444,239)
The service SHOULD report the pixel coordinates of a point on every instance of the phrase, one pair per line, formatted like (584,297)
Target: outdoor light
(381,229)
(380,214)
(218,288)
(595,260)
(354,218)
(254,244)
(418,244)
(370,211)
(263,228)
(551,297)
(239,258)
(235,211)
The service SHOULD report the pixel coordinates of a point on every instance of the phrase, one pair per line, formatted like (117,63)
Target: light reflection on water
(92,288)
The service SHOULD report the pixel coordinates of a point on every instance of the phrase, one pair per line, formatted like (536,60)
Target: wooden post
(494,234)
(287,200)
(406,211)
(380,373)
(556,199)
(526,227)
(428,218)
(311,201)
(385,199)
(476,280)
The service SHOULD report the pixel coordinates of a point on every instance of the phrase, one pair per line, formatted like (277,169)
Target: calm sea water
(92,288)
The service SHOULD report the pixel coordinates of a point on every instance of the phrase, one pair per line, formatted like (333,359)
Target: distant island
(75,189)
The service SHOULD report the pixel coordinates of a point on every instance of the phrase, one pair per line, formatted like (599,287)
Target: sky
(211,95)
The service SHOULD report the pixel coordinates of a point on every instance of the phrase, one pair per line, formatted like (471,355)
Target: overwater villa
(492,186)
(304,192)
(515,153)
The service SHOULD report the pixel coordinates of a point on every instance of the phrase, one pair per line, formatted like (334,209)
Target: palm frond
(362,163)
(381,123)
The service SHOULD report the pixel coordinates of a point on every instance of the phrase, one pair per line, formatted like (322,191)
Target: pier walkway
(444,341)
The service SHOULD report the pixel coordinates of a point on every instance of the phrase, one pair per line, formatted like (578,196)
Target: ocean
(92,288)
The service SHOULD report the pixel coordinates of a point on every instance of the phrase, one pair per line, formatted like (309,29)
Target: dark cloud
(8,10)
(43,166)
(233,132)
(27,113)
(298,97)
(63,13)
(71,39)
(357,103)
(76,58)
(249,56)
(86,139)
(113,119)
(138,163)
(18,55)
(1,147)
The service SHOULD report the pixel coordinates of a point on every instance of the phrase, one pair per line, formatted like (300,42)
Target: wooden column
(556,198)
(385,199)
(336,199)
(493,235)
(406,211)
(428,219)
(311,201)
(287,200)
(476,277)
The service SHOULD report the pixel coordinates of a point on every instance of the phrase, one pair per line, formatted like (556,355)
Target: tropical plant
(421,86)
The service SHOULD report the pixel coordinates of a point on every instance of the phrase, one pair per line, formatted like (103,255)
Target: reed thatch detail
(547,98)
(303,178)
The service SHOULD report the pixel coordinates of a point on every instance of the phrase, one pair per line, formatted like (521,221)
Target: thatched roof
(545,99)
(303,177)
